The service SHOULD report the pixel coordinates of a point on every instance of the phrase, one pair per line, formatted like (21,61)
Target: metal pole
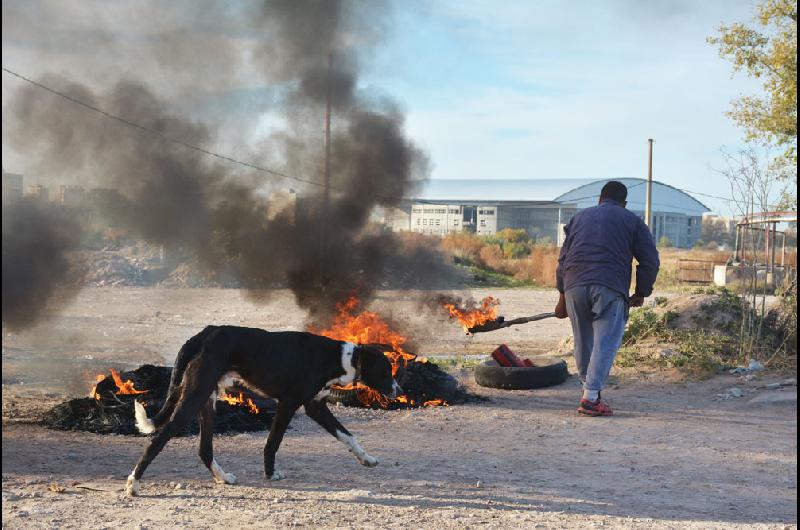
(326,193)
(328,139)
(783,249)
(774,243)
(648,205)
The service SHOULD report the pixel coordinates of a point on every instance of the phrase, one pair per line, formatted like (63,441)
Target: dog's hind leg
(195,393)
(320,413)
(283,415)
(206,418)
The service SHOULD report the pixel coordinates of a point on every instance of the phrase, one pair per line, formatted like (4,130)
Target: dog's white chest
(349,372)
(347,364)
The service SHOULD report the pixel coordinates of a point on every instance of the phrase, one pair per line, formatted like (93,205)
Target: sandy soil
(677,455)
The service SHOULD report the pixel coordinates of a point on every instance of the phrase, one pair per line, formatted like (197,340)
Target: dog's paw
(220,477)
(225,478)
(132,487)
(277,475)
(369,460)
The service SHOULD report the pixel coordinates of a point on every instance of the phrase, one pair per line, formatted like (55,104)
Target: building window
(437,222)
(483,222)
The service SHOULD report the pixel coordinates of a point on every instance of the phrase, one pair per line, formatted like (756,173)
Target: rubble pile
(111,269)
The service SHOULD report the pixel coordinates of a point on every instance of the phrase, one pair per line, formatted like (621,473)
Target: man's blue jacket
(599,247)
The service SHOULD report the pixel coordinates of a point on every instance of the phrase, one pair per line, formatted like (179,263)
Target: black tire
(548,371)
(345,397)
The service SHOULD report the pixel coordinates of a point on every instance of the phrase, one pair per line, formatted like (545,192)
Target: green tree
(768,51)
(664,242)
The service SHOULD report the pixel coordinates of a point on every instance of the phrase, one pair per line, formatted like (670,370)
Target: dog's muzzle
(396,390)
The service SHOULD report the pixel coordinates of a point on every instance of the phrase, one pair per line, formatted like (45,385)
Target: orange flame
(436,403)
(241,401)
(367,327)
(471,317)
(97,379)
(123,387)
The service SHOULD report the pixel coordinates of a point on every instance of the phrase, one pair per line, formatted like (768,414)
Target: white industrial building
(541,207)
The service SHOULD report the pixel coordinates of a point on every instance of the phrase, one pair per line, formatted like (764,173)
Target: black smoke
(323,249)
(37,274)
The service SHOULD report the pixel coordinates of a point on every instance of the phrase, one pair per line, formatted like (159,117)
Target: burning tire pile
(109,408)
(424,384)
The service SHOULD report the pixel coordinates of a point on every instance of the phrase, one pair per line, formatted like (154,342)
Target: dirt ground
(676,455)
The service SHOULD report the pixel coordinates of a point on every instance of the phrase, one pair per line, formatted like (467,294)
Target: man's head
(616,191)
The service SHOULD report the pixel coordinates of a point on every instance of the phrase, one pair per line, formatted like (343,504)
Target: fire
(97,379)
(123,387)
(436,403)
(471,317)
(367,327)
(240,400)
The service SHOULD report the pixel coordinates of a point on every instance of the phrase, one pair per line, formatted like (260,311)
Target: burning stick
(500,322)
(472,316)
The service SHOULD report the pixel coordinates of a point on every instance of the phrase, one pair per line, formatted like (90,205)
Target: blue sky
(569,89)
(492,89)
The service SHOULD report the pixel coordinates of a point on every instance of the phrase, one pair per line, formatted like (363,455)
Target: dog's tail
(187,352)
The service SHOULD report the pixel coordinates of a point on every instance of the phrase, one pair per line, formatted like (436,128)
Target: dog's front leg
(320,413)
(280,423)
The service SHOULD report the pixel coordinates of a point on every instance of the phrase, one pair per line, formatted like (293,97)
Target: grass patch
(457,362)
(705,342)
(488,278)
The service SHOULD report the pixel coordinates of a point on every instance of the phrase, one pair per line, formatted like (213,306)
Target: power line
(163,136)
(230,159)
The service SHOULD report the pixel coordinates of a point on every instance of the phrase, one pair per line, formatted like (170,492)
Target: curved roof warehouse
(540,206)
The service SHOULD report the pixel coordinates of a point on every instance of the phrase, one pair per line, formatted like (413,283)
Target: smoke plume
(36,272)
(324,248)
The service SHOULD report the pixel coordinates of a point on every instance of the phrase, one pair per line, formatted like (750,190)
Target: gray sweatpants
(598,315)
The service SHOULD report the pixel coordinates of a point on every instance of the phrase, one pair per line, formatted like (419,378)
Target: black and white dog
(295,368)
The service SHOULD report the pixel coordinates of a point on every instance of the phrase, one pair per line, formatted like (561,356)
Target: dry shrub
(791,258)
(539,267)
(492,257)
(463,245)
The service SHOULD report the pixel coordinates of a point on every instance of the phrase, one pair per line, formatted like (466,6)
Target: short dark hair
(614,190)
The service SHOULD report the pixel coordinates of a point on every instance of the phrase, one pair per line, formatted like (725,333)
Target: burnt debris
(424,384)
(109,412)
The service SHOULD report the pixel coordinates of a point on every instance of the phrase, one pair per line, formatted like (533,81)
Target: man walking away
(594,278)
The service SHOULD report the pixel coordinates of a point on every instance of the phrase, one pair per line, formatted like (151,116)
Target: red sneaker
(594,408)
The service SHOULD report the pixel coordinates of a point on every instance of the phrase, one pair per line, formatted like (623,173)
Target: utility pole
(648,204)
(326,191)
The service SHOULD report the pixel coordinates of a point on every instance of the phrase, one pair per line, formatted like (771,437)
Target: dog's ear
(363,353)
(371,361)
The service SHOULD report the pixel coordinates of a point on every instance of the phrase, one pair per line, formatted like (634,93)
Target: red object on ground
(507,358)
(528,363)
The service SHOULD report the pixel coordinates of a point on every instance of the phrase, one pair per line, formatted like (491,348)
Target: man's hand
(561,306)
(636,300)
